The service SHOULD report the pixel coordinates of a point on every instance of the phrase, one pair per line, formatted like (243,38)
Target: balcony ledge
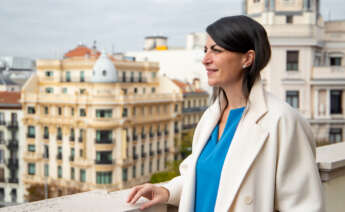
(96,200)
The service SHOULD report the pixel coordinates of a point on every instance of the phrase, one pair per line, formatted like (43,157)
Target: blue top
(210,163)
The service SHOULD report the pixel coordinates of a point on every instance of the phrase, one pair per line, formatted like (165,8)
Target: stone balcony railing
(96,200)
(330,160)
(328,72)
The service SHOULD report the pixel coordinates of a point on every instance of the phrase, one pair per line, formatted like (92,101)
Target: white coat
(270,165)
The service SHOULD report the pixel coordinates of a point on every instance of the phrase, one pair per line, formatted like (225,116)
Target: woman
(251,151)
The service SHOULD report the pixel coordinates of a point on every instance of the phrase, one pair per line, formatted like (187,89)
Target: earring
(244,66)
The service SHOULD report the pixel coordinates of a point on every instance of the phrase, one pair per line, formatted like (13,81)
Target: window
(289,19)
(154,75)
(49,90)
(46,170)
(150,166)
(64,90)
(134,171)
(158,164)
(72,135)
(59,111)
(46,110)
(82,76)
(72,154)
(103,177)
(31,132)
(59,153)
(292,60)
(14,195)
(104,136)
(135,90)
(2,118)
(104,157)
(82,175)
(72,111)
(72,174)
(104,113)
(31,148)
(140,76)
(31,110)
(104,73)
(81,153)
(124,174)
(292,98)
(46,133)
(82,112)
(46,151)
(336,101)
(68,76)
(142,169)
(31,168)
(335,61)
(153,90)
(59,171)
(124,112)
(49,73)
(82,91)
(335,135)
(132,77)
(256,1)
(2,156)
(124,77)
(176,108)
(59,133)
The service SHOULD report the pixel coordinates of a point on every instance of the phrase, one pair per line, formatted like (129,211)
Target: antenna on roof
(94,46)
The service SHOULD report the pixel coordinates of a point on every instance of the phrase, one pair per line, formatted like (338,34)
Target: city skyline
(42,29)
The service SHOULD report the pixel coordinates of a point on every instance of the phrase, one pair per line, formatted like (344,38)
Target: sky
(49,28)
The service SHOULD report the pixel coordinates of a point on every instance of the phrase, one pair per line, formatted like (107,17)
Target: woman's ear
(248,59)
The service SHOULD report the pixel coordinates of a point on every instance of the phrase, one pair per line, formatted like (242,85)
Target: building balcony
(143,154)
(188,126)
(13,180)
(12,163)
(135,137)
(80,139)
(59,137)
(12,125)
(30,136)
(71,158)
(104,162)
(194,109)
(166,149)
(327,74)
(71,138)
(166,132)
(46,136)
(12,144)
(143,136)
(104,141)
(159,152)
(152,134)
(152,153)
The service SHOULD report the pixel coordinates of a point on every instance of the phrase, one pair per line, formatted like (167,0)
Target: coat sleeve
(298,184)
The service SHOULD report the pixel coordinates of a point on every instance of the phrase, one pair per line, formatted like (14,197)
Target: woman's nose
(207,59)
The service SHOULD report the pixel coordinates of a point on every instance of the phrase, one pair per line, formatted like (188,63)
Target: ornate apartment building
(96,122)
(11,146)
(195,102)
(307,67)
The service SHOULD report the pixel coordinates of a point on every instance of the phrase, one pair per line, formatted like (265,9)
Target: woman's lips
(211,71)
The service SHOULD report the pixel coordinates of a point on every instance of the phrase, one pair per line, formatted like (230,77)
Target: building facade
(307,67)
(11,146)
(96,122)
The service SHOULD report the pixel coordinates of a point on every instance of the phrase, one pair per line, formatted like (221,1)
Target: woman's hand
(156,195)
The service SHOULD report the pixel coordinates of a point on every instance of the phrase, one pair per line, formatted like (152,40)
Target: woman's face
(224,68)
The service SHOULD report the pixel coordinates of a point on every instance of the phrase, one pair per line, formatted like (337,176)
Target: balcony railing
(104,162)
(12,144)
(71,138)
(71,158)
(80,139)
(113,201)
(193,109)
(46,136)
(143,154)
(12,125)
(13,180)
(104,141)
(135,156)
(12,163)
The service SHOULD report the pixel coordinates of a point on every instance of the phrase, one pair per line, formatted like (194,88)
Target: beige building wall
(316,84)
(144,124)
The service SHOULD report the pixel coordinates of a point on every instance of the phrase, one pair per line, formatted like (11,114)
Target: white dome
(104,70)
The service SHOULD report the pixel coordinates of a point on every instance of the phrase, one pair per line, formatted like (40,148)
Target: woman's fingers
(133,192)
(149,203)
(140,193)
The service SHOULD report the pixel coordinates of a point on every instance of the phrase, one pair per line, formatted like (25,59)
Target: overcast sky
(49,28)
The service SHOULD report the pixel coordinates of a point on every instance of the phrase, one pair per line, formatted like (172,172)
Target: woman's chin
(212,83)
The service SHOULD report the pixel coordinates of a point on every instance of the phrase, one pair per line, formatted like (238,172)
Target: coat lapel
(245,146)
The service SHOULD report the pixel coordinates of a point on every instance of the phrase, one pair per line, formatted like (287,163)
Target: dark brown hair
(241,34)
